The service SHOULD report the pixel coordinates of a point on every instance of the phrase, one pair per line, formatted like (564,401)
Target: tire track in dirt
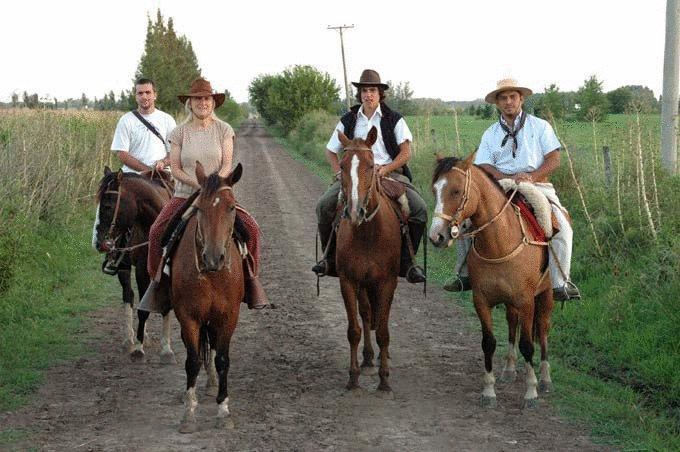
(289,365)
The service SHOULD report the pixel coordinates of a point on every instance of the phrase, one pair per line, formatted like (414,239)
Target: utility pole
(669,105)
(344,66)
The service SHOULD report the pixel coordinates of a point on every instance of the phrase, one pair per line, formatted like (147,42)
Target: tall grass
(50,163)
(618,348)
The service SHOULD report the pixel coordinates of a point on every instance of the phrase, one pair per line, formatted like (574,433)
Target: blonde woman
(206,138)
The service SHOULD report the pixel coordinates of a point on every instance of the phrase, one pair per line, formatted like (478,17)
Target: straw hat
(370,78)
(201,88)
(507,84)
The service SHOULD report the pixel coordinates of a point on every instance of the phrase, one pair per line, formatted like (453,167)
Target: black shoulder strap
(148,125)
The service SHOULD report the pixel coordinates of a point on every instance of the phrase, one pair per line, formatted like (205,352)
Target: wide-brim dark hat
(202,88)
(370,78)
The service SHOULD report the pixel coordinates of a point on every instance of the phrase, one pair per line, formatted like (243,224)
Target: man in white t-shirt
(524,148)
(141,143)
(139,147)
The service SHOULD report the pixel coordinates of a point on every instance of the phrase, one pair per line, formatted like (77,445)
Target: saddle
(534,207)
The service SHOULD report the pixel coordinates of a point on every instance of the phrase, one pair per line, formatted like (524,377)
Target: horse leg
(211,384)
(382,295)
(489,347)
(526,347)
(544,306)
(510,369)
(128,300)
(192,342)
(365,310)
(142,279)
(224,419)
(349,294)
(167,355)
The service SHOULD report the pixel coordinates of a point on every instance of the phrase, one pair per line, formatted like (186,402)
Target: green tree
(592,102)
(285,98)
(83,101)
(15,100)
(487,111)
(400,98)
(230,110)
(169,60)
(551,103)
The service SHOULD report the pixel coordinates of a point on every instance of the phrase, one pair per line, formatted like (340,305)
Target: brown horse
(127,205)
(207,288)
(367,257)
(506,267)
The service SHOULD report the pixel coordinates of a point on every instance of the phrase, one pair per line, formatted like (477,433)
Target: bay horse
(505,265)
(367,257)
(127,205)
(207,287)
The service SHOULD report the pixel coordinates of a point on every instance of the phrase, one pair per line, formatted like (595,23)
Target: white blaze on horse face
(216,201)
(438,224)
(94,229)
(354,174)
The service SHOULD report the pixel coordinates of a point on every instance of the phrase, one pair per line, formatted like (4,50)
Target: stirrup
(320,268)
(415,275)
(459,284)
(567,292)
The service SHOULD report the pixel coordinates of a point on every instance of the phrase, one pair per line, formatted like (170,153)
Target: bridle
(456,219)
(108,238)
(366,217)
(198,235)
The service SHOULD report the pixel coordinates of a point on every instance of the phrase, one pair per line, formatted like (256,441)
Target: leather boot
(255,296)
(408,268)
(326,266)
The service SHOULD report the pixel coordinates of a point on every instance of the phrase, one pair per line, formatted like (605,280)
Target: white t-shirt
(361,129)
(534,141)
(134,137)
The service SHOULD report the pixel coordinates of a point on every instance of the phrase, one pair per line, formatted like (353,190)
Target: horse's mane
(447,163)
(213,184)
(107,182)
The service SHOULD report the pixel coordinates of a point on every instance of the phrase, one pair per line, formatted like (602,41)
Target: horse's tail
(204,344)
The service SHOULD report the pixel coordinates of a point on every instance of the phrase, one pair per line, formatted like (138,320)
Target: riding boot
(408,267)
(326,266)
(255,296)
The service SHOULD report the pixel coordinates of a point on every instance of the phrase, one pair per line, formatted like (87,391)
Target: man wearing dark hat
(524,148)
(391,152)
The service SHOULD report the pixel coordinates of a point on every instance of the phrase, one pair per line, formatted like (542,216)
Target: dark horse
(207,287)
(127,205)
(506,267)
(367,258)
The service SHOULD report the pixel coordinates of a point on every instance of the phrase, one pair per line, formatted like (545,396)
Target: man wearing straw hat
(391,152)
(524,148)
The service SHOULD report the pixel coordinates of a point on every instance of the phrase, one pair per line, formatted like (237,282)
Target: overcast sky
(453,50)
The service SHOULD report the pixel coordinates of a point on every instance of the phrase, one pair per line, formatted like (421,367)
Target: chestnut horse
(207,288)
(367,256)
(505,265)
(127,205)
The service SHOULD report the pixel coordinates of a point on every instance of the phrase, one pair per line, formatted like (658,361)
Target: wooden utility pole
(669,105)
(344,66)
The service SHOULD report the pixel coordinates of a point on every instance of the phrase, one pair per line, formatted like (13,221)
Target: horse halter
(108,238)
(198,236)
(455,219)
(365,218)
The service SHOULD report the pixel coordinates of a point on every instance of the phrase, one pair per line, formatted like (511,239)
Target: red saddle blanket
(534,229)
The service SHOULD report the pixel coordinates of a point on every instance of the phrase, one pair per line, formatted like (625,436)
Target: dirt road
(289,365)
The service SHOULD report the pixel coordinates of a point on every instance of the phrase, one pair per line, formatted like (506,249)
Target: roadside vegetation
(614,353)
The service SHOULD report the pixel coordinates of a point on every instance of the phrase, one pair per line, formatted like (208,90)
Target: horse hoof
(369,370)
(137,356)
(188,424)
(488,402)
(127,346)
(224,423)
(530,404)
(168,358)
(545,386)
(211,390)
(508,376)
(385,394)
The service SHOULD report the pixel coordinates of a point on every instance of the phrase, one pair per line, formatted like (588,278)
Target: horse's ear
(200,173)
(469,160)
(235,175)
(343,139)
(372,136)
(107,171)
(119,176)
(439,156)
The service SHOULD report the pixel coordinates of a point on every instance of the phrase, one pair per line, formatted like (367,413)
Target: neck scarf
(512,133)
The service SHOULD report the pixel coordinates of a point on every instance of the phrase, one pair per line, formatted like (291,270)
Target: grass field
(614,354)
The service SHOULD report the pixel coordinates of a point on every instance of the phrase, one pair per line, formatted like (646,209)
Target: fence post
(606,157)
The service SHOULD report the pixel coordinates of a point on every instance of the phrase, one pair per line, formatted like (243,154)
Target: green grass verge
(614,355)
